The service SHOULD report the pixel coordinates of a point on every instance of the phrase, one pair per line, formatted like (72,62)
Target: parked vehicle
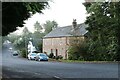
(10,49)
(31,48)
(32,56)
(15,53)
(41,57)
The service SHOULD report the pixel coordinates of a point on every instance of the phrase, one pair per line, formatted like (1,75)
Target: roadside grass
(78,61)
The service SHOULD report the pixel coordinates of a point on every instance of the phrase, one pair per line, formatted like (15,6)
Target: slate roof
(68,31)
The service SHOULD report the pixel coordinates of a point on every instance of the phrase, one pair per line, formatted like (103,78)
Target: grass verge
(77,61)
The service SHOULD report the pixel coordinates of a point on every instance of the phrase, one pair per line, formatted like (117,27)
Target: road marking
(20,71)
(57,77)
(37,73)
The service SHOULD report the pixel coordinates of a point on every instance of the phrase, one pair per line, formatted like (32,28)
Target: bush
(23,52)
(81,58)
(56,57)
(60,57)
(40,46)
(51,55)
(73,56)
(78,52)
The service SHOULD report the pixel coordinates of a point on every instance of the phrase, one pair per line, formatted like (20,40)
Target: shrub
(51,55)
(40,46)
(56,57)
(74,56)
(78,52)
(23,52)
(60,57)
(81,58)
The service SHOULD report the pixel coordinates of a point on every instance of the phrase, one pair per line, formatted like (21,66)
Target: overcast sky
(63,12)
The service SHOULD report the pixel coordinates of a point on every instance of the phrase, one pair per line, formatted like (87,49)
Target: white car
(32,56)
(10,48)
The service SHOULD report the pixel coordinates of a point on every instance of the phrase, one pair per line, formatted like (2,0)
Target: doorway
(56,52)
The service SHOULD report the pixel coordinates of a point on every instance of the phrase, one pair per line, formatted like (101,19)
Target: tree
(38,27)
(12,37)
(25,31)
(14,14)
(104,29)
(37,36)
(49,25)
(77,49)
(21,41)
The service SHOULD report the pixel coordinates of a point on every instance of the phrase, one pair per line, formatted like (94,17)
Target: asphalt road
(15,67)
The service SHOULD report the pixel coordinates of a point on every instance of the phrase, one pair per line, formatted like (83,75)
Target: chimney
(74,24)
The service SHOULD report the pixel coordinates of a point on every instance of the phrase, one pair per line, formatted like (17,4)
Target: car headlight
(41,57)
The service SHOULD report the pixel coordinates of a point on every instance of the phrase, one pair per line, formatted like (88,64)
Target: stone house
(59,39)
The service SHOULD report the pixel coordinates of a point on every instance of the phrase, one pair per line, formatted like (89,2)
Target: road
(15,67)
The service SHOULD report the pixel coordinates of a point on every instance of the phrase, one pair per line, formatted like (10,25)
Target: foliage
(38,27)
(37,36)
(78,52)
(14,14)
(56,57)
(49,26)
(23,52)
(25,31)
(20,41)
(40,46)
(60,57)
(1,43)
(12,37)
(51,55)
(104,30)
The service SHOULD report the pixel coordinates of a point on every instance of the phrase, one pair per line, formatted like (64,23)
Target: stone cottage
(59,39)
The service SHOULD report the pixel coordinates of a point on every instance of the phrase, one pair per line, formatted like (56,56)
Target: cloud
(61,11)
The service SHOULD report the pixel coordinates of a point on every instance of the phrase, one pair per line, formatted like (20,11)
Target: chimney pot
(74,23)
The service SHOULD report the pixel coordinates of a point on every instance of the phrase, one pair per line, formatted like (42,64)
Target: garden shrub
(23,52)
(60,57)
(56,57)
(51,55)
(78,52)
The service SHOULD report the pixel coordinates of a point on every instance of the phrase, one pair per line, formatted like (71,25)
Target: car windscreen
(33,54)
(42,54)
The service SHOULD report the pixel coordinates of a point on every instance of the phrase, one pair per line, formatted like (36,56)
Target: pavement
(14,67)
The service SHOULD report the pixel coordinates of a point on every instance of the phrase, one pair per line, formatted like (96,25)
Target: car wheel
(39,59)
(35,59)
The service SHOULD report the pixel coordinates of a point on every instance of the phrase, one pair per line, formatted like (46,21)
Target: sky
(63,12)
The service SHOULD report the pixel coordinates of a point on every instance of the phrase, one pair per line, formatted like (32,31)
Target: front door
(51,50)
(56,52)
